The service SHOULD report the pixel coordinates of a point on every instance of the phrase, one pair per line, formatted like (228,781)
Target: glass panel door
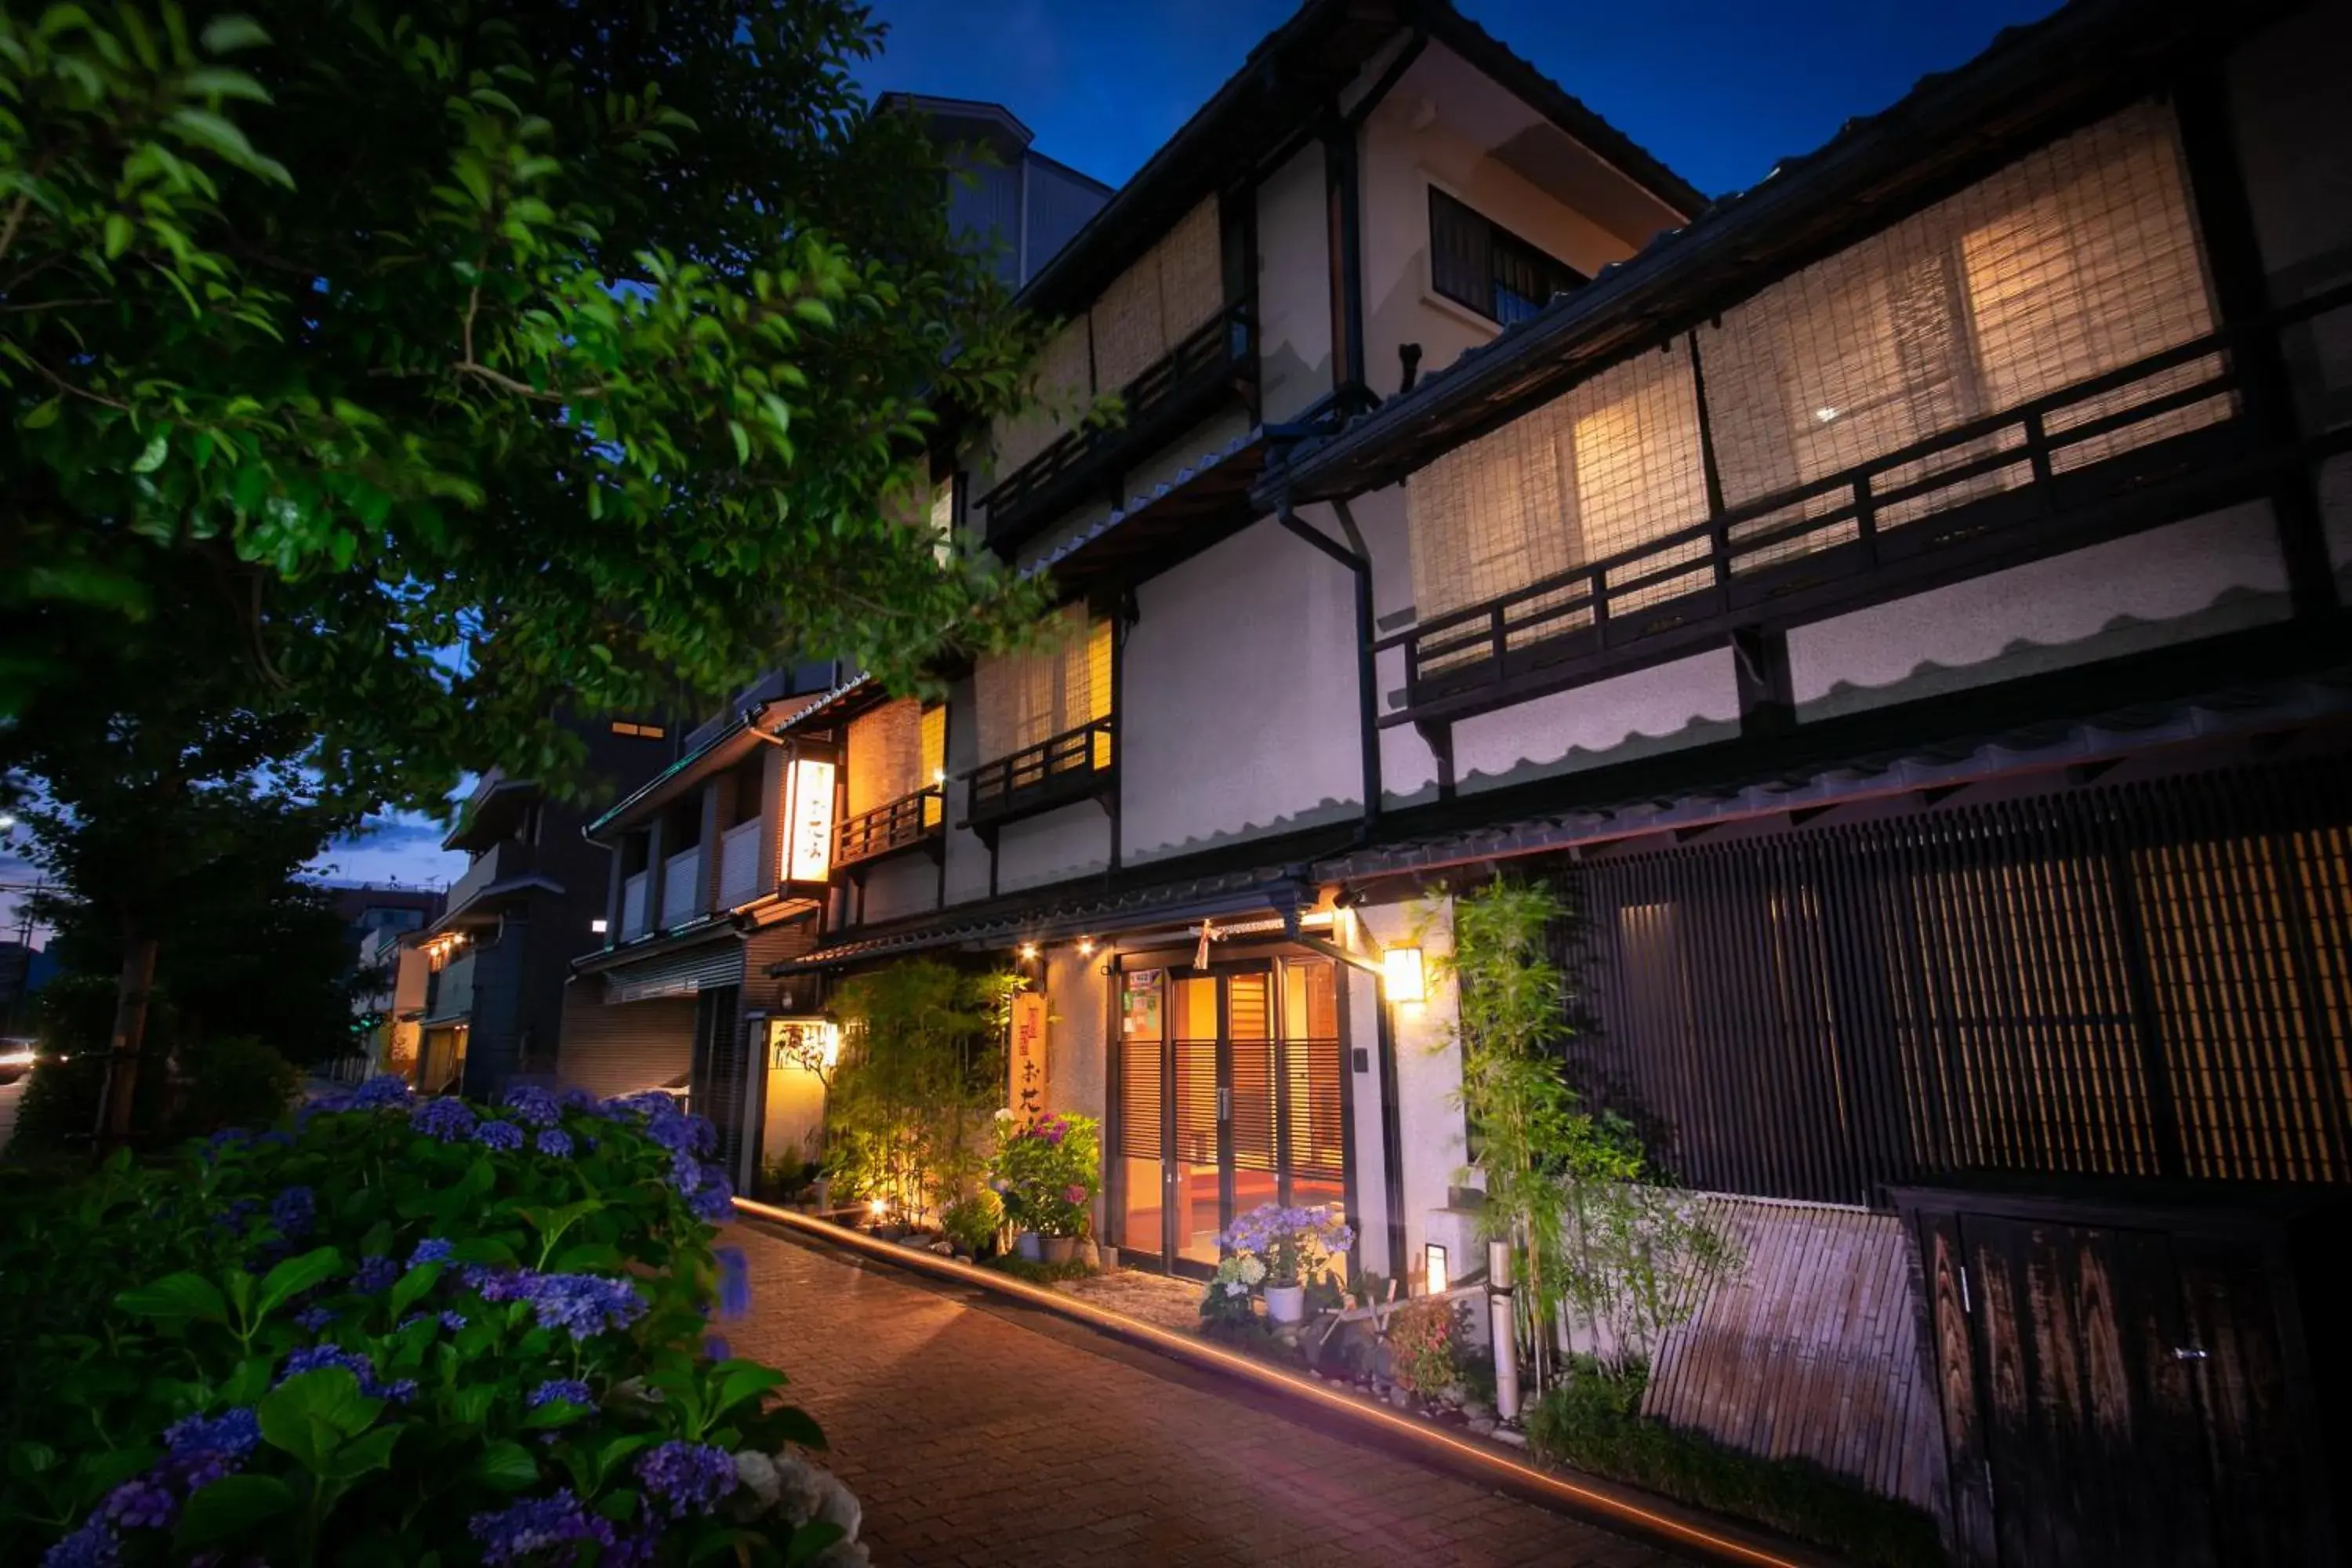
(1315,1127)
(1196,1173)
(1250,1126)
(1143,1222)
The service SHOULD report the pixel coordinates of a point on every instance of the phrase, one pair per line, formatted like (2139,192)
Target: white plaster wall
(1067,842)
(2208,574)
(1238,696)
(1417,138)
(1294,287)
(906,886)
(795,1114)
(1686,702)
(1372,1216)
(1429,1068)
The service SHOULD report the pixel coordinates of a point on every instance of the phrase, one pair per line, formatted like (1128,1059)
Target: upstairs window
(1027,699)
(643,731)
(1476,262)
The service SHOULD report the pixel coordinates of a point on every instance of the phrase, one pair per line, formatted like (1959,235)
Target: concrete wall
(1294,287)
(1372,1216)
(1684,703)
(2208,574)
(1238,713)
(795,1113)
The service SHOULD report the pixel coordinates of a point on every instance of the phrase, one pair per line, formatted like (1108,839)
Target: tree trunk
(130,1036)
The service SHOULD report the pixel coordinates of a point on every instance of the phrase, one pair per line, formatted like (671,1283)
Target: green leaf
(809,1540)
(372,1451)
(226,35)
(250,1381)
(309,1413)
(158,445)
(410,1286)
(27,1459)
(295,1276)
(742,1381)
(44,414)
(554,1413)
(586,1257)
(230,1506)
(507,1465)
(179,1297)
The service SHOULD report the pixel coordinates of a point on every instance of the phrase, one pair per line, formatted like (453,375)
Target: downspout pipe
(1343,166)
(1358,562)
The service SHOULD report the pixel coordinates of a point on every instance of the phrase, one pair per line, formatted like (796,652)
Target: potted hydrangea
(1047,1172)
(1293,1246)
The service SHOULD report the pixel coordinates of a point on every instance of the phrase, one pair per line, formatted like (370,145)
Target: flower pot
(1029,1245)
(1061,1249)
(1285,1303)
(1107,1258)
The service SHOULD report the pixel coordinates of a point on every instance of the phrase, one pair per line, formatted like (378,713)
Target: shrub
(1420,1346)
(972,1223)
(921,1068)
(1048,1171)
(397,1331)
(1592,1420)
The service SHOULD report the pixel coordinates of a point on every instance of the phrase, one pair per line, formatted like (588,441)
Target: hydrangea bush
(1047,1171)
(397,1331)
(1294,1245)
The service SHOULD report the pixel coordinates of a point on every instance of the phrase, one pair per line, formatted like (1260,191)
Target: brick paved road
(978,1435)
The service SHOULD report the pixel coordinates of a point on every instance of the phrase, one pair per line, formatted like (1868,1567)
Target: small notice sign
(1028,1054)
(1140,1005)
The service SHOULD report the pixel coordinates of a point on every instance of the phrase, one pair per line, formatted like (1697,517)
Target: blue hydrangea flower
(431,1249)
(231,1432)
(582,1305)
(716,1347)
(374,1273)
(141,1504)
(714,1201)
(313,1319)
(234,1216)
(533,1105)
(295,1213)
(445,1120)
(734,1282)
(504,1136)
(453,1322)
(686,1478)
(534,1524)
(275,1138)
(570,1388)
(358,1366)
(555,1142)
(92,1546)
(384,1088)
(225,1139)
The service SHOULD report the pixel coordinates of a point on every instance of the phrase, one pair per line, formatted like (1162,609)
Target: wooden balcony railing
(911,820)
(1077,765)
(1217,360)
(2018,485)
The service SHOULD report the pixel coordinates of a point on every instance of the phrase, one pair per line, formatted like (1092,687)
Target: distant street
(11,1095)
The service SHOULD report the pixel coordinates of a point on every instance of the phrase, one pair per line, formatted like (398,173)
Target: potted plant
(1294,1247)
(1047,1172)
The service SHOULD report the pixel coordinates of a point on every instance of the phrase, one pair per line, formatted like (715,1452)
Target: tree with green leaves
(604,342)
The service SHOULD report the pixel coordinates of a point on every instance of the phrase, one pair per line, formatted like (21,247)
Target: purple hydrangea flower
(686,1478)
(234,1216)
(373,1274)
(734,1282)
(533,1105)
(555,1142)
(533,1525)
(92,1546)
(275,1138)
(225,1139)
(141,1504)
(570,1388)
(503,1136)
(313,1319)
(384,1088)
(358,1366)
(716,1347)
(453,1322)
(445,1120)
(574,1098)
(714,1201)
(231,1432)
(582,1305)
(431,1249)
(295,1213)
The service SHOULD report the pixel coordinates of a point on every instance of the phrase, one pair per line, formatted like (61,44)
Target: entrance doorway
(1230,1094)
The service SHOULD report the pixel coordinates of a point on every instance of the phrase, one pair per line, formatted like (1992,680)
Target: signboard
(1138,1005)
(808,820)
(811,1044)
(1028,1056)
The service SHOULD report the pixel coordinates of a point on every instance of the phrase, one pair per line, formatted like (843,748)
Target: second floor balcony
(910,822)
(1075,765)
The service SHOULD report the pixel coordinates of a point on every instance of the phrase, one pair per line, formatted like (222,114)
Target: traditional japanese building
(1900,607)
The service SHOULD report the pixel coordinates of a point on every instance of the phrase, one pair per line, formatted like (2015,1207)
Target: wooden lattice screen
(2151,979)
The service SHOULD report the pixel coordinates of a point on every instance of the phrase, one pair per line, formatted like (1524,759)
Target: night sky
(1718,89)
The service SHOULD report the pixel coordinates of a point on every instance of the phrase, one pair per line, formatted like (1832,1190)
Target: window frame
(1497,238)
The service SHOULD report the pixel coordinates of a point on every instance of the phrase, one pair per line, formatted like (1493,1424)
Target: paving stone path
(975,1434)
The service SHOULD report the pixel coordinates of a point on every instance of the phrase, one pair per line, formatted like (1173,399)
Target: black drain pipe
(1358,561)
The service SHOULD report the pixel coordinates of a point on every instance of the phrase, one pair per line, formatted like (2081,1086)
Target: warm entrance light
(1028,949)
(1434,1264)
(1401,975)
(1085,947)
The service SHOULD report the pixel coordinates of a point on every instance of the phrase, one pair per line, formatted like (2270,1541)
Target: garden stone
(1515,1438)
(1399,1397)
(763,1488)
(1453,1393)
(843,1555)
(1478,1410)
(1483,1425)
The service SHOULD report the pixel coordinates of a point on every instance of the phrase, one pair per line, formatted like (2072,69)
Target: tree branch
(62,385)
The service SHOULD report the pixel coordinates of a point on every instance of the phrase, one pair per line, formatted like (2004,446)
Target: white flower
(1236,1287)
(1003,1113)
(1252,1269)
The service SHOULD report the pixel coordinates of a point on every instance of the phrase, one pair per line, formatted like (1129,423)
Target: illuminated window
(643,731)
(1475,262)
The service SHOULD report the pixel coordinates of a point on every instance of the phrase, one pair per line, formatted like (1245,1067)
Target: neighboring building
(531,896)
(24,969)
(1008,199)
(365,907)
(1901,606)
(388,1016)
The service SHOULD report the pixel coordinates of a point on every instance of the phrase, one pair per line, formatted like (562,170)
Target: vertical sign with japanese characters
(1028,1054)
(808,827)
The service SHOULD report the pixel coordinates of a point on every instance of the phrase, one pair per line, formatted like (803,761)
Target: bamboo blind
(934,746)
(2077,259)
(1605,468)
(1146,312)
(1031,697)
(886,761)
(1065,387)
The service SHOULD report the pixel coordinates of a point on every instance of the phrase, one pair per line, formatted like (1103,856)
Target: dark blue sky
(1718,88)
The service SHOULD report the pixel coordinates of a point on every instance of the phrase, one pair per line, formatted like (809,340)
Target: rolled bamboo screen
(1027,698)
(1065,386)
(1143,315)
(2078,259)
(885,756)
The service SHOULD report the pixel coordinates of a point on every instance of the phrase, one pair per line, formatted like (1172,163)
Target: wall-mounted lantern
(1401,978)
(1432,1264)
(806,853)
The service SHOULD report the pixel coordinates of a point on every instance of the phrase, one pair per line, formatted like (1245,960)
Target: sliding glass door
(1230,1095)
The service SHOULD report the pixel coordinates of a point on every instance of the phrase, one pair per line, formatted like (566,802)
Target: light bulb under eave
(1028,951)
(1085,947)
(1402,978)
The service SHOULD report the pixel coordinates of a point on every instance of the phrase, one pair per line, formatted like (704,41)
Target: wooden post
(114,1099)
